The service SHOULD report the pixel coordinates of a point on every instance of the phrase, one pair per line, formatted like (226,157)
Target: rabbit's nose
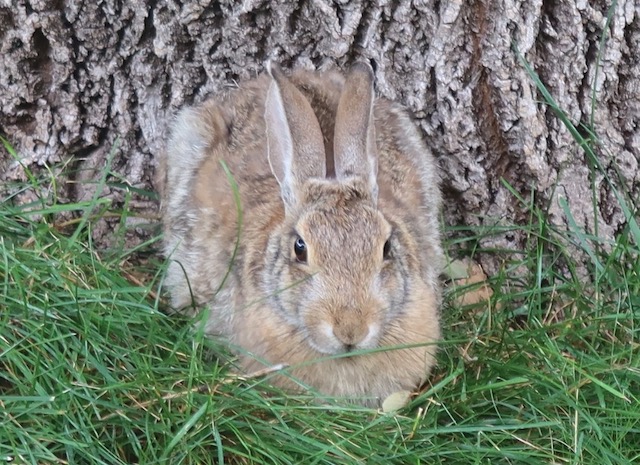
(350,334)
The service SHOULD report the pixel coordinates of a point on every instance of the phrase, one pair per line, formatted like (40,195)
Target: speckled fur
(270,305)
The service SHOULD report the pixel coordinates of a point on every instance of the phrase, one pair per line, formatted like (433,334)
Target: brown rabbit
(333,246)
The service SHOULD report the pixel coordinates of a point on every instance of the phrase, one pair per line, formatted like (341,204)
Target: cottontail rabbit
(333,245)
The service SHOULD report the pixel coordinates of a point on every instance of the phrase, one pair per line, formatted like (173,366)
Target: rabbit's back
(215,151)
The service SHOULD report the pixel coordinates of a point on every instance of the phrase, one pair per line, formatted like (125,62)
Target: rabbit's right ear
(354,144)
(294,138)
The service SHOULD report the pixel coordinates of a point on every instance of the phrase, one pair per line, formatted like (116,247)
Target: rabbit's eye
(386,251)
(300,248)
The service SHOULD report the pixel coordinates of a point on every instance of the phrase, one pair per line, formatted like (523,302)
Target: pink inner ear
(279,142)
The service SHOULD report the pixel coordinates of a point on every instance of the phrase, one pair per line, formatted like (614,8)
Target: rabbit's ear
(354,143)
(294,138)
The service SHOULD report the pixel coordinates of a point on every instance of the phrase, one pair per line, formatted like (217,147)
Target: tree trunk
(76,76)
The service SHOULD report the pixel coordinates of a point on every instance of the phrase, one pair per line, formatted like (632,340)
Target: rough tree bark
(77,75)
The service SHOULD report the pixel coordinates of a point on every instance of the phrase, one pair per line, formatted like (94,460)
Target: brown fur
(345,191)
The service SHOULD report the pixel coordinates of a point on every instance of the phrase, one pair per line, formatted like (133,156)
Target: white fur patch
(371,338)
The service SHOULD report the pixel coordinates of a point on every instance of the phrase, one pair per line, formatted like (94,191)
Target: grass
(93,371)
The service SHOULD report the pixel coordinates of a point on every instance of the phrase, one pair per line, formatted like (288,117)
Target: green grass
(92,371)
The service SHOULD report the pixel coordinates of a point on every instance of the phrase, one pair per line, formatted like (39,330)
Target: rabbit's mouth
(344,339)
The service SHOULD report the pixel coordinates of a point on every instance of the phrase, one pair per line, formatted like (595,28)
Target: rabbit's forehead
(355,229)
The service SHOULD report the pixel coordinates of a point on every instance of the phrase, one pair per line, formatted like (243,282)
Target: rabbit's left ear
(294,138)
(354,143)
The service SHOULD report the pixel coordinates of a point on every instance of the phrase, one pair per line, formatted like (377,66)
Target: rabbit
(333,245)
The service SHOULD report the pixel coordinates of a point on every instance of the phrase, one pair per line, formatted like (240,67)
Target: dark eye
(300,248)
(386,251)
